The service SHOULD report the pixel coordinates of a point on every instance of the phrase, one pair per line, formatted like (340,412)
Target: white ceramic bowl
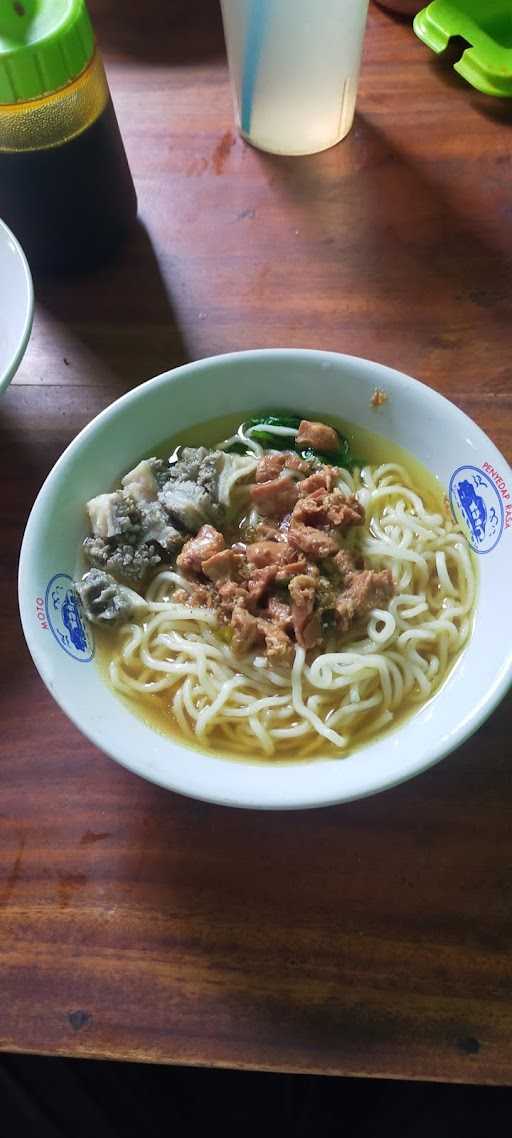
(16,305)
(444,439)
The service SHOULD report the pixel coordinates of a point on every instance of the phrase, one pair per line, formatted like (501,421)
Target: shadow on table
(167,31)
(121,314)
(442,66)
(117,325)
(396,17)
(409,242)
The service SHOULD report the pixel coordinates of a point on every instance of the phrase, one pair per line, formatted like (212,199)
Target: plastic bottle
(65,186)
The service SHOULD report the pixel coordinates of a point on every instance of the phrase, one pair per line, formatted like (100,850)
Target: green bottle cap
(44,45)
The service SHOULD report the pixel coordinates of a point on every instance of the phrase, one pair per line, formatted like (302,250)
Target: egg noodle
(396,660)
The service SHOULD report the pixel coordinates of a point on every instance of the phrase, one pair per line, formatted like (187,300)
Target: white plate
(16,305)
(440,435)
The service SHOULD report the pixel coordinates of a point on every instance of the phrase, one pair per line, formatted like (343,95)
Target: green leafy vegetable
(267,438)
(236,448)
(275,442)
(342,457)
(291,421)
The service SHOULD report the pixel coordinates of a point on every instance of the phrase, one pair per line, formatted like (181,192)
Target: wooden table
(374,938)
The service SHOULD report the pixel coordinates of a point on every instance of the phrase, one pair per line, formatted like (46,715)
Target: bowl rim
(12,366)
(431,755)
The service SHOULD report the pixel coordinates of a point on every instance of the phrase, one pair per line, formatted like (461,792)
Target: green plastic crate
(487,26)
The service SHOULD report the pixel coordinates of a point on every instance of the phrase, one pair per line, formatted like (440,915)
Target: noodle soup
(333,602)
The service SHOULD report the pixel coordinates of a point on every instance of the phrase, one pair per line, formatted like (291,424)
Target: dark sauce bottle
(65,186)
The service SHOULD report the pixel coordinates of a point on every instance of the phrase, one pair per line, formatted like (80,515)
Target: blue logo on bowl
(66,619)
(477,505)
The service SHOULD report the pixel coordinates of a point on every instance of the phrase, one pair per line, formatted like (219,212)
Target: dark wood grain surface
(374,938)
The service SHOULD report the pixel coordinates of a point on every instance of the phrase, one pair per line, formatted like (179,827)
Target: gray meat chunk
(122,559)
(156,527)
(104,600)
(187,504)
(130,555)
(209,472)
(186,467)
(147,522)
(112,514)
(191,493)
(141,482)
(198,464)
